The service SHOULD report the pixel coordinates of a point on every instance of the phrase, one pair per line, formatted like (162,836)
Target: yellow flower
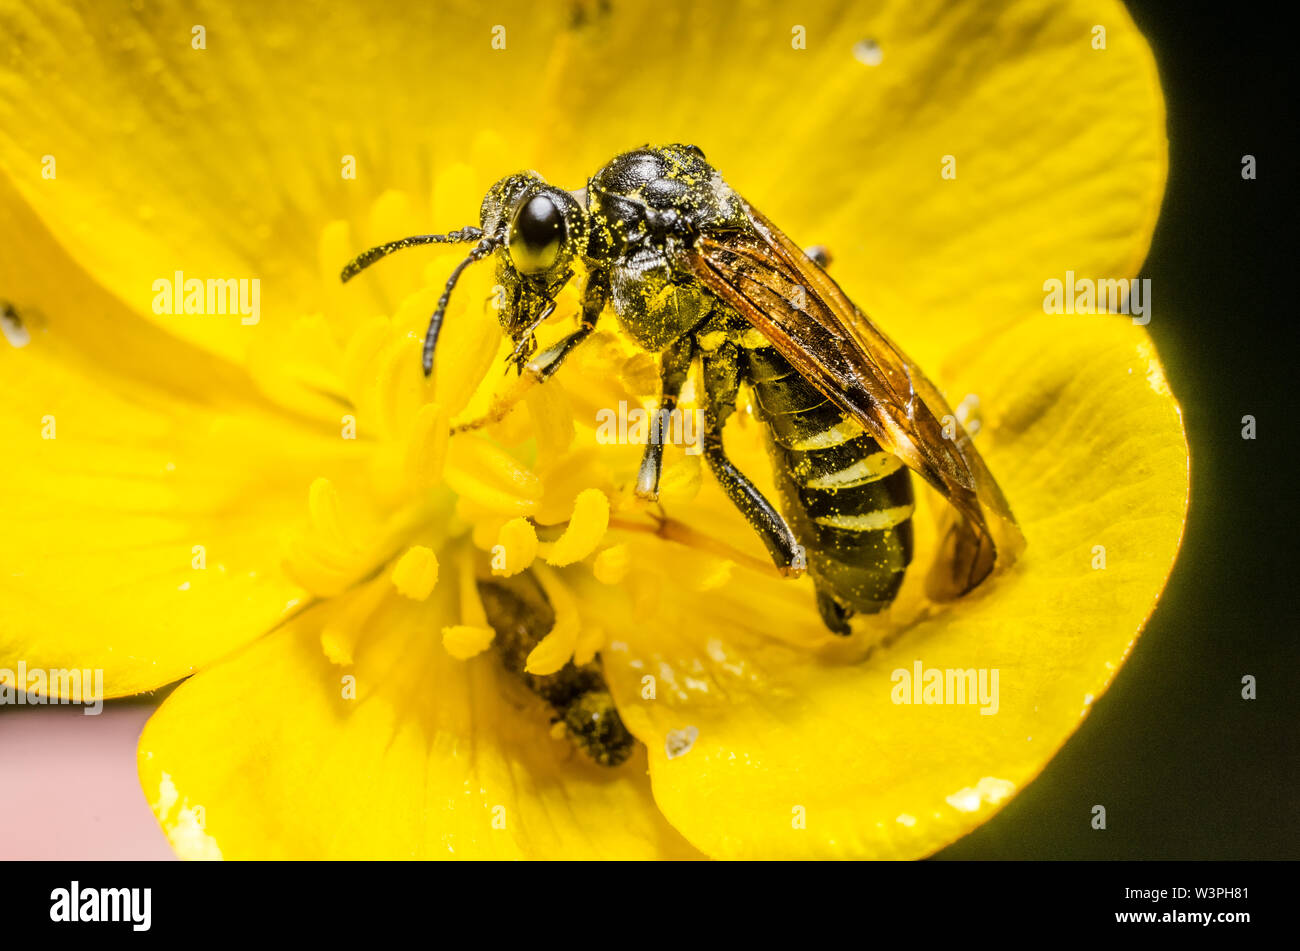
(271,498)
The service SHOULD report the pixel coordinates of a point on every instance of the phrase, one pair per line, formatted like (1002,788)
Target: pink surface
(68,786)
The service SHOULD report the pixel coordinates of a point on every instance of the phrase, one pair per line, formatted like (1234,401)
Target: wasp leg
(675,366)
(594,296)
(721,374)
(527,344)
(540,368)
(526,340)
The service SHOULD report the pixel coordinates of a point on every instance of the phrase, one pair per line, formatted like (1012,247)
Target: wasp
(695,273)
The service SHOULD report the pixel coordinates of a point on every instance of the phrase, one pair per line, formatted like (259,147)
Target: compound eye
(536,235)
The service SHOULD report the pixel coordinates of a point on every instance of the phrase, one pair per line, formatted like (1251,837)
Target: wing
(813,324)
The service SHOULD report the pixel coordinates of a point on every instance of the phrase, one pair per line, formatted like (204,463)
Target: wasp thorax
(536,235)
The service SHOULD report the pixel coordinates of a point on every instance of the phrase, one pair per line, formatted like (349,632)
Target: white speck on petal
(989,790)
(679,742)
(868,52)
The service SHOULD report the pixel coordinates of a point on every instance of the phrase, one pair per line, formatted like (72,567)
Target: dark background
(1186,768)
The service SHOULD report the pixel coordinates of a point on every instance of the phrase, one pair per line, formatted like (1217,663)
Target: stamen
(488,475)
(673,530)
(426,447)
(473,635)
(359,356)
(501,406)
(682,479)
(463,641)
(337,548)
(416,572)
(590,643)
(327,518)
(399,386)
(339,637)
(640,374)
(304,566)
(586,528)
(518,544)
(718,574)
(553,421)
(486,527)
(612,564)
(557,647)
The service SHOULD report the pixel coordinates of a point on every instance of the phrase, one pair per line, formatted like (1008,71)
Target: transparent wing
(813,324)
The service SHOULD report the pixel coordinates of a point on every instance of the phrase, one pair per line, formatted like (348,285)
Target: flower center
(441,481)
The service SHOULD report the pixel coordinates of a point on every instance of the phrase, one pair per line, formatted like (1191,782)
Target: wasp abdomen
(849,503)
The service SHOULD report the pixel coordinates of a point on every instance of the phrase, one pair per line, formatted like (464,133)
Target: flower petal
(226,161)
(1060,149)
(798,745)
(144,488)
(265,755)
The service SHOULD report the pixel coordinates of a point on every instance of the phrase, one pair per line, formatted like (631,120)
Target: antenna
(481,250)
(370,256)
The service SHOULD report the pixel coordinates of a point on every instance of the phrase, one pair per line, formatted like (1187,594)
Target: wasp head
(542,227)
(540,230)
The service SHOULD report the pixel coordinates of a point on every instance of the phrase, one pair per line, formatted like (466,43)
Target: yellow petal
(1059,148)
(768,737)
(1051,175)
(146,485)
(266,755)
(222,162)
(233,171)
